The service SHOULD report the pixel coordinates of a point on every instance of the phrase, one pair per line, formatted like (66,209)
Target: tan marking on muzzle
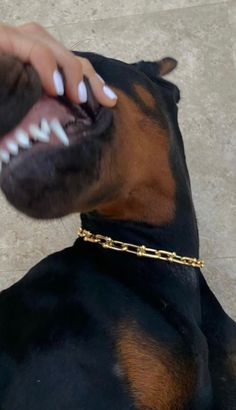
(141,159)
(145,96)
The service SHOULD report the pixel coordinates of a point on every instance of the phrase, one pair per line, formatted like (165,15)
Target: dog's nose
(20,88)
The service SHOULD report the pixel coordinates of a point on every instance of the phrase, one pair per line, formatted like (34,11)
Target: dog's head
(90,158)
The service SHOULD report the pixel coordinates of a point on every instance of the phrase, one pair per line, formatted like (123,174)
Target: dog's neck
(150,276)
(143,273)
(180,236)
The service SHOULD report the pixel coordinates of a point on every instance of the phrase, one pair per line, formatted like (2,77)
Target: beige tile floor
(201,34)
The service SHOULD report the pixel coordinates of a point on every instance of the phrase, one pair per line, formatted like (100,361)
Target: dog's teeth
(60,133)
(38,134)
(45,126)
(12,147)
(4,156)
(22,139)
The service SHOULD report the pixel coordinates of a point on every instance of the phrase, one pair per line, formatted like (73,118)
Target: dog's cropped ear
(166,65)
(157,68)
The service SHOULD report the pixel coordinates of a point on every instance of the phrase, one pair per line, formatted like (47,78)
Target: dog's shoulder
(29,302)
(43,270)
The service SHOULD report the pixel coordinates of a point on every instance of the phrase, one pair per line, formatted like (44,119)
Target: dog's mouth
(50,124)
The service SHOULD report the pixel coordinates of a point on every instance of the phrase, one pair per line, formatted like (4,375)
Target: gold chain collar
(139,250)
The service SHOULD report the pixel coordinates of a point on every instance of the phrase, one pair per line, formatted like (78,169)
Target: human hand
(31,43)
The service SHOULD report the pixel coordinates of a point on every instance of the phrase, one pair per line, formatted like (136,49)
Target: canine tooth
(38,134)
(60,133)
(13,147)
(22,139)
(4,156)
(45,126)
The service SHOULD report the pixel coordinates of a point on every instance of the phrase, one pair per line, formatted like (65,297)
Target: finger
(104,94)
(43,60)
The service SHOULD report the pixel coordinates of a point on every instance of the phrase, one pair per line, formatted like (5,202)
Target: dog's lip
(100,124)
(92,116)
(97,129)
(88,110)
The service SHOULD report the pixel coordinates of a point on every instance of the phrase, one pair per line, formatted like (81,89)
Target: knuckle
(6,43)
(33,26)
(72,64)
(40,49)
(87,66)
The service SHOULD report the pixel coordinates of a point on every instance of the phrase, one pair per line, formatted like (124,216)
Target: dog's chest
(74,374)
(71,344)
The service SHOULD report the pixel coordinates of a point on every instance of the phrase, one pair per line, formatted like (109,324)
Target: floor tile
(70,11)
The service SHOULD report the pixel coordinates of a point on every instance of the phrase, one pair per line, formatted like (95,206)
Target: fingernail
(109,93)
(58,82)
(100,78)
(82,91)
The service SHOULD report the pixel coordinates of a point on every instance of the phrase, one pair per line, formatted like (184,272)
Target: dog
(124,318)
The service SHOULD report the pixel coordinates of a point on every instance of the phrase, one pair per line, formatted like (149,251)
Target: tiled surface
(201,35)
(71,11)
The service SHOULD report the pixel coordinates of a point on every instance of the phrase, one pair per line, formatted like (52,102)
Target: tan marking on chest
(157,379)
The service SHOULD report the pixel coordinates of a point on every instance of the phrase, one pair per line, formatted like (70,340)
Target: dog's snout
(20,88)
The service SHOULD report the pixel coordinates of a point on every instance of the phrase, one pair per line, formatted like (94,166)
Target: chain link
(139,250)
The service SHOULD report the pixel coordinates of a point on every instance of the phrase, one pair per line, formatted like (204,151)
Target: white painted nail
(59,131)
(58,82)
(13,147)
(45,126)
(38,134)
(82,91)
(4,156)
(22,138)
(109,93)
(100,78)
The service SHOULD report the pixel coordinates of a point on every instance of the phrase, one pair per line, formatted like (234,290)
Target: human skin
(33,44)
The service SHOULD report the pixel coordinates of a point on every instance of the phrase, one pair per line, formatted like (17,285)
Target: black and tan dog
(90,328)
